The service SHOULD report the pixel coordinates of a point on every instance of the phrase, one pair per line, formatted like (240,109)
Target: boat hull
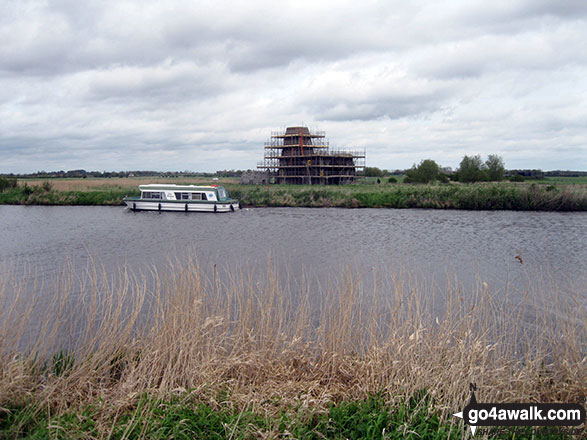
(178,206)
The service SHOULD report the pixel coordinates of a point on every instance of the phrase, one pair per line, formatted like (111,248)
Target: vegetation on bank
(38,196)
(183,417)
(553,196)
(499,196)
(101,355)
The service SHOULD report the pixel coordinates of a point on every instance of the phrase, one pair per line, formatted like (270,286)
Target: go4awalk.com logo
(477,414)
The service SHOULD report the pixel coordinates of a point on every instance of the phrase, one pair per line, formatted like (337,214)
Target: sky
(200,85)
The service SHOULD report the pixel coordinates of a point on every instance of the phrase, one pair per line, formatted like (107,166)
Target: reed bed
(256,342)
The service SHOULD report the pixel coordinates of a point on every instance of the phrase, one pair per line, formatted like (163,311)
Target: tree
(472,169)
(427,171)
(495,167)
(373,172)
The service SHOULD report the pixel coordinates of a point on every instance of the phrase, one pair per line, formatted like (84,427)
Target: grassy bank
(500,196)
(184,417)
(483,196)
(176,351)
(21,196)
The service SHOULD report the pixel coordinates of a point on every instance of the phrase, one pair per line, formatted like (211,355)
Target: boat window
(196,196)
(204,196)
(222,194)
(185,196)
(151,195)
(177,196)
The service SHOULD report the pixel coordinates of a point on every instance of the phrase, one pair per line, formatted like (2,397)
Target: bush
(392,180)
(6,183)
(27,190)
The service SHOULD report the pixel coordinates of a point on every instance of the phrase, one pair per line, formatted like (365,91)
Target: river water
(470,246)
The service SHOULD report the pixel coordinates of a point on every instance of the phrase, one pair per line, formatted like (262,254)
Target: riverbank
(230,358)
(185,417)
(498,196)
(481,196)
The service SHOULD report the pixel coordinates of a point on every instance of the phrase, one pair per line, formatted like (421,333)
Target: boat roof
(166,187)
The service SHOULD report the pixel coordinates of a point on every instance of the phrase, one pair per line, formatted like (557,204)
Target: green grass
(581,180)
(183,417)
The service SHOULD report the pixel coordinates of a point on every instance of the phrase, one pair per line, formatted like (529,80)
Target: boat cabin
(184,192)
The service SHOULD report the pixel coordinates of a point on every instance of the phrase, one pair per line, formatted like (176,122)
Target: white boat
(187,198)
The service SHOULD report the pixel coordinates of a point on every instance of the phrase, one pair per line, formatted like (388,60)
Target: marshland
(548,194)
(314,323)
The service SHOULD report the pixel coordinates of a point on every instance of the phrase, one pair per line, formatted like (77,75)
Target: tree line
(471,169)
(82,174)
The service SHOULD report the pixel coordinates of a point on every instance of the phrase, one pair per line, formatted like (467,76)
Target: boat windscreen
(222,194)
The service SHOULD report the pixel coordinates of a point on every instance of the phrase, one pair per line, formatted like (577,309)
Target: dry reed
(268,343)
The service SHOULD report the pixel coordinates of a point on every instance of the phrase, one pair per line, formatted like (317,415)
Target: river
(472,247)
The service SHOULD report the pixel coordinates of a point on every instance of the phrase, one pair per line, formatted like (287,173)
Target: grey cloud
(566,9)
(355,91)
(94,85)
(513,16)
(531,51)
(161,84)
(65,37)
(364,111)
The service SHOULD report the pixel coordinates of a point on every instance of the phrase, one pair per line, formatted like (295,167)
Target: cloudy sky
(200,85)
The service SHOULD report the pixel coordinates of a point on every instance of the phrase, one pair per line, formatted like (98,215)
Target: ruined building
(299,156)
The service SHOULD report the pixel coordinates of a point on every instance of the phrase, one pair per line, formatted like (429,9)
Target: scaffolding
(298,156)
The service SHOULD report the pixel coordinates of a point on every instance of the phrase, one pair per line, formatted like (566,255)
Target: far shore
(542,195)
